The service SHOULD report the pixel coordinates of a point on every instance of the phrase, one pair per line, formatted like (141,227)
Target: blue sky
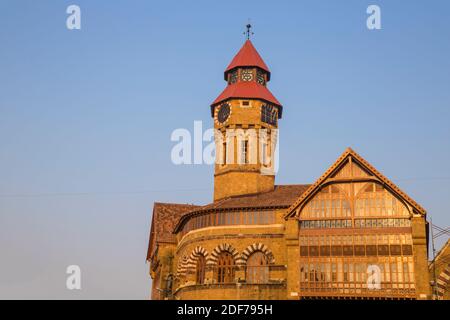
(86,118)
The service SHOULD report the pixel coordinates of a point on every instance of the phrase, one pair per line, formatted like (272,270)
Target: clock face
(233,77)
(260,77)
(247,75)
(269,114)
(224,113)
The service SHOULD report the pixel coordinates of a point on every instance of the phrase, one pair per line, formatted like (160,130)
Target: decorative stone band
(254,248)
(188,264)
(192,260)
(443,282)
(212,261)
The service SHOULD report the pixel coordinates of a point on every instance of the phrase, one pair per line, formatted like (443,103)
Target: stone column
(209,275)
(293,259)
(240,274)
(419,237)
(166,258)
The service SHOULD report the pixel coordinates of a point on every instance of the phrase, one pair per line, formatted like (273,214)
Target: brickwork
(420,251)
(439,271)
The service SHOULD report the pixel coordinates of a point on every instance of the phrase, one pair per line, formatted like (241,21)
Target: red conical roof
(247,57)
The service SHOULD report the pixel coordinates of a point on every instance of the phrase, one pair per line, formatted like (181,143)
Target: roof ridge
(176,204)
(292,184)
(440,252)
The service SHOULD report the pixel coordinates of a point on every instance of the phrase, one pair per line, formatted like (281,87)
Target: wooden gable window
(225,268)
(330,203)
(375,201)
(200,270)
(257,268)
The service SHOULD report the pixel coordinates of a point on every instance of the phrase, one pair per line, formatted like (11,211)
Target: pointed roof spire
(247,57)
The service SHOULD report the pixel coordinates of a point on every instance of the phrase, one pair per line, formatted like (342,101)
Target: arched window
(257,268)
(200,269)
(225,268)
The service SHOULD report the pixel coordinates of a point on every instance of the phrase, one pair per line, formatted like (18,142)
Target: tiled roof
(281,197)
(165,216)
(246,90)
(247,57)
(440,255)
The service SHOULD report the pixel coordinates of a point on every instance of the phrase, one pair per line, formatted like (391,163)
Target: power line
(95,193)
(441,231)
(423,178)
(106,193)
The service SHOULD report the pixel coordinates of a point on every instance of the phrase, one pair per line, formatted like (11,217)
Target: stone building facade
(440,273)
(351,234)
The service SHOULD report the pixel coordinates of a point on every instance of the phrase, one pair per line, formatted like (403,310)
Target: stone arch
(254,248)
(220,248)
(192,260)
(443,282)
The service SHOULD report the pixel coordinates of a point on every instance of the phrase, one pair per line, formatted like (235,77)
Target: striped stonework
(255,247)
(192,260)
(443,282)
(182,266)
(212,261)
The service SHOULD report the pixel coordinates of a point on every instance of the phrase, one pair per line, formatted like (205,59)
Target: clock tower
(246,123)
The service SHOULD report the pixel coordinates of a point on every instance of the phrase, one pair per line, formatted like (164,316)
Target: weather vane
(248,32)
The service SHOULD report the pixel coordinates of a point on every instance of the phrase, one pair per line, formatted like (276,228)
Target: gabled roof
(340,162)
(165,216)
(246,90)
(247,57)
(440,255)
(281,197)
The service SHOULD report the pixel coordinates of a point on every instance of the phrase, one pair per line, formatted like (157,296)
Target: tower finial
(248,33)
